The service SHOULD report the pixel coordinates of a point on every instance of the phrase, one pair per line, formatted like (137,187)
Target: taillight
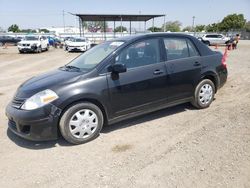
(223,61)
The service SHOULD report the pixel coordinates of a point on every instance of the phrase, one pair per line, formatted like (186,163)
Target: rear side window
(139,54)
(176,48)
(192,50)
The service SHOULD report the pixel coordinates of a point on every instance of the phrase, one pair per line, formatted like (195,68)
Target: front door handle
(157,72)
(196,64)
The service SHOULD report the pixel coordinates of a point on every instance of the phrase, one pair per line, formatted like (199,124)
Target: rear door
(183,66)
(144,83)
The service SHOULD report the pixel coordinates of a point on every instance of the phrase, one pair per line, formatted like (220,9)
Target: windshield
(31,38)
(78,40)
(95,55)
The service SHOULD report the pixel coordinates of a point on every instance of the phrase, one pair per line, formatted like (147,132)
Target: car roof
(158,34)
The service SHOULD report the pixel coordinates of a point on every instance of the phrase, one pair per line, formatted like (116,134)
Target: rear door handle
(196,64)
(157,72)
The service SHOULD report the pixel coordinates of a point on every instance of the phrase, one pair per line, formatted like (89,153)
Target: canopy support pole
(130,27)
(121,26)
(80,27)
(104,29)
(114,28)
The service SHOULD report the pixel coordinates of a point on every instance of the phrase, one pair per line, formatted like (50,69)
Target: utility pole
(193,24)
(63,22)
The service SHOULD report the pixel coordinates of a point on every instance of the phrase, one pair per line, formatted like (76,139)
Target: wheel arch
(213,78)
(90,100)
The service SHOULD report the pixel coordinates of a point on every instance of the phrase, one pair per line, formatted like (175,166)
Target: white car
(78,44)
(34,43)
(215,39)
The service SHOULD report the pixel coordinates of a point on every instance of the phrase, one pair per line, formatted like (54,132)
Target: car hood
(77,43)
(29,41)
(50,80)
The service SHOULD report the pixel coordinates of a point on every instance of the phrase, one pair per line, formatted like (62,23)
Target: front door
(144,82)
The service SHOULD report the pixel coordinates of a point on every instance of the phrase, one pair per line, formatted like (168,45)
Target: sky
(46,13)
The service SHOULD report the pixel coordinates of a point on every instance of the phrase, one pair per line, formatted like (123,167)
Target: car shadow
(38,145)
(148,117)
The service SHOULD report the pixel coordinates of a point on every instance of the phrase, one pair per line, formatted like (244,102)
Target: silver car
(215,39)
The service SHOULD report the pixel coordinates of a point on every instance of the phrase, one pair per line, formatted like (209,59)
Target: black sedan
(114,81)
(9,40)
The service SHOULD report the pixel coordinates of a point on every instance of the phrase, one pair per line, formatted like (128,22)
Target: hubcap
(83,123)
(205,94)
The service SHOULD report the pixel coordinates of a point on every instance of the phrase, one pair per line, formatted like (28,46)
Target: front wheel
(204,94)
(81,123)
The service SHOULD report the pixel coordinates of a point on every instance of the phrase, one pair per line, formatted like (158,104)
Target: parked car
(113,81)
(215,39)
(78,44)
(34,43)
(67,41)
(9,40)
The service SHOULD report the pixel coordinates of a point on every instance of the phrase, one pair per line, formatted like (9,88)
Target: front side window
(140,54)
(176,48)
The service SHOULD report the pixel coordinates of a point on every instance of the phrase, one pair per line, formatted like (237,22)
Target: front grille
(17,102)
(26,44)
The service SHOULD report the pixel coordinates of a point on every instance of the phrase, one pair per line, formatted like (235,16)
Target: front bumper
(77,48)
(36,125)
(27,48)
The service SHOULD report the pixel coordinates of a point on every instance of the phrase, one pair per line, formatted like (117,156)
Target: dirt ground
(175,147)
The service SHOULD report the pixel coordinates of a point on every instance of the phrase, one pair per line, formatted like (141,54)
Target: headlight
(40,99)
(35,44)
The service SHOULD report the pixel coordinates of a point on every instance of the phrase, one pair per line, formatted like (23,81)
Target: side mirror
(117,68)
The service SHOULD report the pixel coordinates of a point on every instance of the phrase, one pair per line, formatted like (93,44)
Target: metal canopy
(118,17)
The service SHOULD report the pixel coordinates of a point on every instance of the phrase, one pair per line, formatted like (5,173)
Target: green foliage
(44,30)
(14,28)
(200,28)
(174,26)
(155,29)
(120,29)
(188,28)
(232,22)
(28,31)
(212,27)
(95,26)
(247,26)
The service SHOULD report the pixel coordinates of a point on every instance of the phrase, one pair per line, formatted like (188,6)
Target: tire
(207,43)
(39,49)
(81,123)
(20,51)
(1,43)
(200,100)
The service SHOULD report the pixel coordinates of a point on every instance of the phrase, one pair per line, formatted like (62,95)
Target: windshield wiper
(72,67)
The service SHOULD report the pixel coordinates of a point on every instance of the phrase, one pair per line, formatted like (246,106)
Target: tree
(247,26)
(44,30)
(95,26)
(14,28)
(174,26)
(28,31)
(188,28)
(232,22)
(212,27)
(200,28)
(120,29)
(155,29)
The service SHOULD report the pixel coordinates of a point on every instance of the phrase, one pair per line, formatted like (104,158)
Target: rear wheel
(204,94)
(81,123)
